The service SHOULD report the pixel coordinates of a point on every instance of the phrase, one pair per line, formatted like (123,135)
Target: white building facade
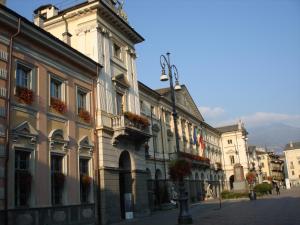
(292,164)
(234,150)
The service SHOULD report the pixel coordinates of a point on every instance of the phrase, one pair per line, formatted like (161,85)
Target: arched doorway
(125,180)
(231,180)
(158,188)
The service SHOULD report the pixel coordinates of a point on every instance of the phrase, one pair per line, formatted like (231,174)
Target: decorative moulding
(25,130)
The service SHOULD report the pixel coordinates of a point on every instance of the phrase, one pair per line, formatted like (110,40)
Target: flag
(195,135)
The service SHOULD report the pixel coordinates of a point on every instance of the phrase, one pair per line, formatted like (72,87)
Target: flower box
(137,119)
(251,177)
(85,181)
(58,105)
(178,169)
(85,115)
(195,157)
(25,95)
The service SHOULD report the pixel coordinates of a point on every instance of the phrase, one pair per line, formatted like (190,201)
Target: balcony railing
(196,159)
(130,126)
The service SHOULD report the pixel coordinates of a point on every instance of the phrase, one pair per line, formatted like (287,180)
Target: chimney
(291,144)
(44,12)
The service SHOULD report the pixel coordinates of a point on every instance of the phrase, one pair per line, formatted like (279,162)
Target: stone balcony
(196,160)
(126,128)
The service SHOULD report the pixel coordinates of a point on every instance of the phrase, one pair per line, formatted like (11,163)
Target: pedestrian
(277,190)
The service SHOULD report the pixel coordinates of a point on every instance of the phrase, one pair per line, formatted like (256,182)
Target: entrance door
(231,180)
(125,180)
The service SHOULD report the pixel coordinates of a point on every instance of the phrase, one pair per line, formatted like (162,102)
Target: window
(85,180)
(22,178)
(117,51)
(23,76)
(231,159)
(293,172)
(291,165)
(229,141)
(262,165)
(55,88)
(81,100)
(119,103)
(142,106)
(57,179)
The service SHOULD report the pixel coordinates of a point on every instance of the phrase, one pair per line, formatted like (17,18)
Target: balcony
(196,160)
(131,127)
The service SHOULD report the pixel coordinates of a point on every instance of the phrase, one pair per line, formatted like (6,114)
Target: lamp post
(184,215)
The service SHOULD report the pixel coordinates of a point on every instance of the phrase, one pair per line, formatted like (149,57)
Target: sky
(240,59)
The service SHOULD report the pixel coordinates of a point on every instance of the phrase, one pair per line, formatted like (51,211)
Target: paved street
(270,210)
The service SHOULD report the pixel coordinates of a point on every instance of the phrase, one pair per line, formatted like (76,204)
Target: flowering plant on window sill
(25,95)
(59,178)
(58,105)
(85,181)
(84,114)
(179,168)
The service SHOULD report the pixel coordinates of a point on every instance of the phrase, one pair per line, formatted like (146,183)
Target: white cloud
(266,118)
(211,112)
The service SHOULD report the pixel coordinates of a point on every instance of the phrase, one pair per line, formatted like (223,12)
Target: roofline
(106,6)
(53,38)
(162,98)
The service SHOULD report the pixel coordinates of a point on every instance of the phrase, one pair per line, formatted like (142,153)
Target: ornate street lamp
(184,215)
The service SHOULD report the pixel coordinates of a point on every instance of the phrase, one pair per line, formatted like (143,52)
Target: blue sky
(238,58)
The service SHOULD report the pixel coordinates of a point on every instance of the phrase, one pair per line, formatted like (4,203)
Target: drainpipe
(8,103)
(96,149)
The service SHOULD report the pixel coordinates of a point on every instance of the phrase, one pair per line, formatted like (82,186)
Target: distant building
(276,167)
(292,163)
(199,144)
(234,149)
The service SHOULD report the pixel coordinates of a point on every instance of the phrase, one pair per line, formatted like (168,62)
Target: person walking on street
(277,189)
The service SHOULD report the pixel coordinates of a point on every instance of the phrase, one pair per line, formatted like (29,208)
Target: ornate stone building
(47,122)
(234,149)
(100,30)
(199,143)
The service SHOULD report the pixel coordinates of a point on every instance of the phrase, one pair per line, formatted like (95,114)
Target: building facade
(198,143)
(100,30)
(47,112)
(234,149)
(292,163)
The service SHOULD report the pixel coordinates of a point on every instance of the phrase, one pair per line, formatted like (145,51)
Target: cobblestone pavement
(269,210)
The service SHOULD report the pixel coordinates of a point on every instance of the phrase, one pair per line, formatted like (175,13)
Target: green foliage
(263,188)
(231,195)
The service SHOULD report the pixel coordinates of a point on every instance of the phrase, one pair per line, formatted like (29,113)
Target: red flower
(137,119)
(58,105)
(25,95)
(85,180)
(85,115)
(178,169)
(250,177)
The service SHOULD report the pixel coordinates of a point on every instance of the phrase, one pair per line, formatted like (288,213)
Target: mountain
(274,136)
